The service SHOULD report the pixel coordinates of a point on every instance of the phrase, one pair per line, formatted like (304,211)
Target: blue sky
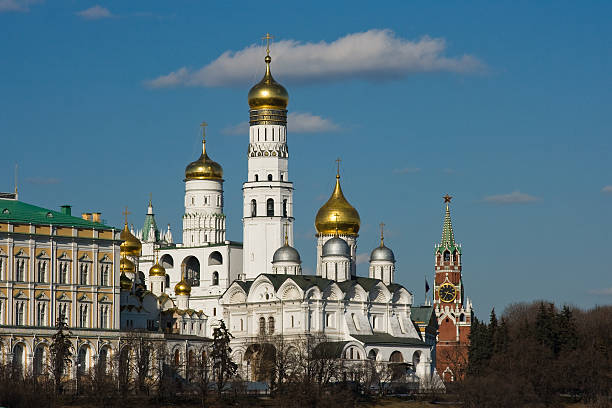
(504,105)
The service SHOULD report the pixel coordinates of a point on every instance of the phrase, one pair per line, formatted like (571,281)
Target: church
(257,286)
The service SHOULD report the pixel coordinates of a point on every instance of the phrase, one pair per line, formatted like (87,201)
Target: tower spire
(448,237)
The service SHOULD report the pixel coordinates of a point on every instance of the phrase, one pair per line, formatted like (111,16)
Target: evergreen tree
(502,337)
(567,332)
(479,348)
(60,353)
(223,366)
(492,333)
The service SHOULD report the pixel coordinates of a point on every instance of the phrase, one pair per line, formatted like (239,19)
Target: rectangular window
(83,316)
(104,275)
(42,271)
(84,272)
(41,315)
(20,270)
(1,268)
(20,314)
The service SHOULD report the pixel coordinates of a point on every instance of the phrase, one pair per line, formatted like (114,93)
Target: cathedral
(102,280)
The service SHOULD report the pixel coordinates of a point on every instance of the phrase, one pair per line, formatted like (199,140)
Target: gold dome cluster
(127,266)
(204,168)
(337,215)
(130,246)
(182,288)
(267,93)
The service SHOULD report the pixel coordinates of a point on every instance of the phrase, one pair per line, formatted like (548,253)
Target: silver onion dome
(382,253)
(286,253)
(336,246)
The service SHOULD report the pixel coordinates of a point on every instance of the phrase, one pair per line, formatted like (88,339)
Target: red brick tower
(453,310)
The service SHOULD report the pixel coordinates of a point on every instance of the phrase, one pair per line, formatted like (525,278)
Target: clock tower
(453,310)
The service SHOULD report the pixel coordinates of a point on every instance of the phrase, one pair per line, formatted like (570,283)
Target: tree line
(538,354)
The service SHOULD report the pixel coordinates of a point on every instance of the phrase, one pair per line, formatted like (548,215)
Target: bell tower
(267,193)
(453,310)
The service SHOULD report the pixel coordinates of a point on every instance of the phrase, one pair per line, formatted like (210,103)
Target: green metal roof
(448,236)
(421,313)
(15,211)
(387,339)
(149,220)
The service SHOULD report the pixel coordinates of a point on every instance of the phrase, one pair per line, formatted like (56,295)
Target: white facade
(268,197)
(204,221)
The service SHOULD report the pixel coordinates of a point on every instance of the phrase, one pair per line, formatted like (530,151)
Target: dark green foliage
(536,354)
(223,366)
(60,353)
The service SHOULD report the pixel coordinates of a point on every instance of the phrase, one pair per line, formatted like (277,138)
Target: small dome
(286,253)
(336,246)
(267,93)
(337,212)
(382,253)
(124,282)
(130,246)
(204,168)
(157,270)
(127,266)
(182,288)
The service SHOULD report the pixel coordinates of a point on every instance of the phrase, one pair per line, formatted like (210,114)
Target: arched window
(82,361)
(38,360)
(282,178)
(166,261)
(18,358)
(257,177)
(416,359)
(396,357)
(215,258)
(269,177)
(191,268)
(285,208)
(215,278)
(84,273)
(177,358)
(102,359)
(271,325)
(270,207)
(167,281)
(262,325)
(253,208)
(462,317)
(446,256)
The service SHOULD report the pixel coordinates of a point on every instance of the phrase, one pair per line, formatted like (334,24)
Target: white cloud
(16,5)
(362,258)
(407,170)
(515,197)
(96,12)
(297,122)
(602,291)
(374,54)
(607,189)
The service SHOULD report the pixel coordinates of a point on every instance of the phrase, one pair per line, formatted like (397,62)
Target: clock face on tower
(447,292)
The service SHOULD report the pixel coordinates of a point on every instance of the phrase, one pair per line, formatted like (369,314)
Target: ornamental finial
(126,213)
(382,236)
(447,198)
(338,160)
(203,126)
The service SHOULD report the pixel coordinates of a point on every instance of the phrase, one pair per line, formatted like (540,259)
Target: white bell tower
(267,193)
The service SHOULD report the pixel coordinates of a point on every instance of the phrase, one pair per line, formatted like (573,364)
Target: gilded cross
(336,216)
(382,237)
(126,213)
(338,160)
(267,37)
(203,126)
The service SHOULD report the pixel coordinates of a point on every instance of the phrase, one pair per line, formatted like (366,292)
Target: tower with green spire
(453,311)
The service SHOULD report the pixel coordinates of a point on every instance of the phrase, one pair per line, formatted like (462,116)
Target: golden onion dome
(157,270)
(182,288)
(124,282)
(130,246)
(203,168)
(267,93)
(337,213)
(127,266)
